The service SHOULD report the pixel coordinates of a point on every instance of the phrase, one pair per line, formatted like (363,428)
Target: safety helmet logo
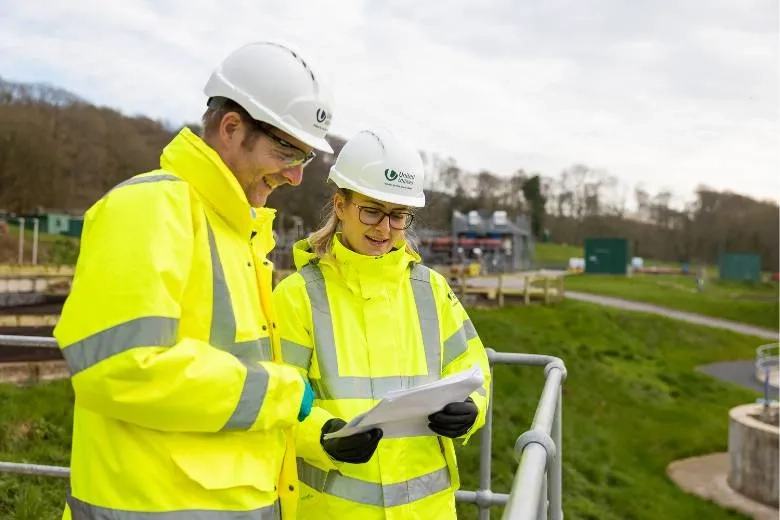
(322,115)
(322,119)
(391,175)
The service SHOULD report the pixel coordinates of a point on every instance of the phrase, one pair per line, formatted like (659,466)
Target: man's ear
(229,127)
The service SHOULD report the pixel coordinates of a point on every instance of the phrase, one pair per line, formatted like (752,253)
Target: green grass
(43,238)
(52,249)
(752,304)
(35,427)
(555,254)
(632,404)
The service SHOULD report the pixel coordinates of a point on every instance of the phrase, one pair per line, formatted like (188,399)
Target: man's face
(261,159)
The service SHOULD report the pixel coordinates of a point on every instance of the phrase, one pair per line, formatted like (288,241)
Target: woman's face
(371,227)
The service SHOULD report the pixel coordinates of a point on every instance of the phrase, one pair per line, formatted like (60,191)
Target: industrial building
(490,239)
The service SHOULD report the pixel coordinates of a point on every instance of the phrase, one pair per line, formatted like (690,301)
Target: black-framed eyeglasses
(372,216)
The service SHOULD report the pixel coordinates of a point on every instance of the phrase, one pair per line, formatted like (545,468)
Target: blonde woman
(364,317)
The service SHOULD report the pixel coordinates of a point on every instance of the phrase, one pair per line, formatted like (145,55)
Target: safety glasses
(289,154)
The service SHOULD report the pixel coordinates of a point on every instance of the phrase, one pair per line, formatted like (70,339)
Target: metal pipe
(545,411)
(34,469)
(11,340)
(541,514)
(486,450)
(511,358)
(555,473)
(526,495)
(526,490)
(474,497)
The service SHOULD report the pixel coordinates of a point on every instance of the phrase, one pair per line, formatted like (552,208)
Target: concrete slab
(705,477)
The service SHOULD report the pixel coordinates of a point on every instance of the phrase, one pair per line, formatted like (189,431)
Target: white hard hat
(382,165)
(279,86)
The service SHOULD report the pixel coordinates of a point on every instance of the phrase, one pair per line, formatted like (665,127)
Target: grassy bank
(632,404)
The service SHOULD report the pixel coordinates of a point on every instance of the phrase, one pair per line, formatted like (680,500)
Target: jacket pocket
(231,460)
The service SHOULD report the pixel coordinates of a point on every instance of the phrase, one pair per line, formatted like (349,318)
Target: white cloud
(663,94)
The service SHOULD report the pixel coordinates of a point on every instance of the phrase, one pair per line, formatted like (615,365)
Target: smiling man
(181,410)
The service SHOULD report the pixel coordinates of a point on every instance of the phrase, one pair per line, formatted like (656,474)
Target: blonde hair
(321,240)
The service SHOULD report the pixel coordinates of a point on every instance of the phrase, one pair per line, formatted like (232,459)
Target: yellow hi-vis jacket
(358,327)
(169,332)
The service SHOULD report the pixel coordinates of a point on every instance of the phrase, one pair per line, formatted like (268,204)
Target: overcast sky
(667,93)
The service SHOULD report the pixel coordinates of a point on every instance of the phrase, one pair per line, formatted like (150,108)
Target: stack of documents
(404,413)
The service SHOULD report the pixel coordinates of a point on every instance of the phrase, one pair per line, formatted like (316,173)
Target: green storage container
(740,267)
(607,255)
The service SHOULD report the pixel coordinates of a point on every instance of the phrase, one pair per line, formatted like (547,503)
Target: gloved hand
(355,449)
(454,419)
(307,401)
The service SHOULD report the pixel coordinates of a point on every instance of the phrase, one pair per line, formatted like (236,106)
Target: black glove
(355,449)
(454,419)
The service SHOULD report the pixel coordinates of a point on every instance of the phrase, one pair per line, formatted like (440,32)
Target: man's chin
(257,198)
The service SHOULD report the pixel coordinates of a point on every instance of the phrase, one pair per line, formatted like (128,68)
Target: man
(169,329)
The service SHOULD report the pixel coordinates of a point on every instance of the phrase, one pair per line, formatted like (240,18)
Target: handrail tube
(474,497)
(555,473)
(512,358)
(526,493)
(545,410)
(8,340)
(485,455)
(34,469)
(534,456)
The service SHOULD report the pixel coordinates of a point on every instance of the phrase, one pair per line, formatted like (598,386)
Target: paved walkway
(690,317)
(706,477)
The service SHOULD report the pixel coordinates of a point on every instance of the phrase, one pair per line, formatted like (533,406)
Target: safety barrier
(537,485)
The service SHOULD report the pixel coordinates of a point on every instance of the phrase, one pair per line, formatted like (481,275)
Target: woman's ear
(339,204)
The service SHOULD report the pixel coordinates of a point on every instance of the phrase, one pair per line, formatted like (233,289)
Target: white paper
(404,413)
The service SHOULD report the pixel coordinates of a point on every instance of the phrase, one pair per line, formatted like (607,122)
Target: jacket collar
(191,159)
(369,276)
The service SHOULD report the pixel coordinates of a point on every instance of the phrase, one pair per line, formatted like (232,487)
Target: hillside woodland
(59,152)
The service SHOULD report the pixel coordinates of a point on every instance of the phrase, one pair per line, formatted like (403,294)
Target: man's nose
(294,175)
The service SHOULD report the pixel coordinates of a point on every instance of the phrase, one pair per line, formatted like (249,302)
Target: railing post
(554,491)
(486,451)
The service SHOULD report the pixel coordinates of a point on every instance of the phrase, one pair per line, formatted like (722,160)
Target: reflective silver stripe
(458,343)
(142,180)
(296,354)
(333,386)
(223,318)
(83,511)
(428,314)
(149,331)
(372,493)
(141,332)
(223,337)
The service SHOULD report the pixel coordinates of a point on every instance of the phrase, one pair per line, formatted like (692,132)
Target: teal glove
(307,401)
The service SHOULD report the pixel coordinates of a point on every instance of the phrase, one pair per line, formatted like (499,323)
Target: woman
(363,317)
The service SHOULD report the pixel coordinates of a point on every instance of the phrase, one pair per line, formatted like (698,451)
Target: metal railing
(537,485)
